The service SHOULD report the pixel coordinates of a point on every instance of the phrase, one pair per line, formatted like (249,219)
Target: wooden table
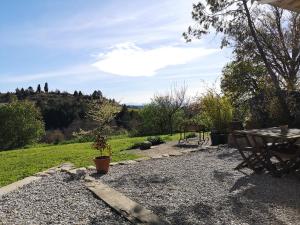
(274,133)
(273,139)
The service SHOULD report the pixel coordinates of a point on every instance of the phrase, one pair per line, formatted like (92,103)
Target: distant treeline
(62,110)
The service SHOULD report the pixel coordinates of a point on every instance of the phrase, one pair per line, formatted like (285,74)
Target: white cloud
(130,60)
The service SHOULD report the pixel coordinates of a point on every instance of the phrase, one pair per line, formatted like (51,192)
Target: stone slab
(127,162)
(42,174)
(133,211)
(79,171)
(175,154)
(156,157)
(51,171)
(14,186)
(142,159)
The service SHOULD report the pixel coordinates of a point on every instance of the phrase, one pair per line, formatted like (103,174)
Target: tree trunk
(274,78)
(171,125)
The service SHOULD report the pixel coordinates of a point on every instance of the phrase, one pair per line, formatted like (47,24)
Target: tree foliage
(58,108)
(216,112)
(268,36)
(164,112)
(20,124)
(103,113)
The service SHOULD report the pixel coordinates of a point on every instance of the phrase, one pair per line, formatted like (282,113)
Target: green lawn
(17,164)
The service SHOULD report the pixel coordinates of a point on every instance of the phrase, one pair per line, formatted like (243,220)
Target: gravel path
(56,200)
(203,188)
(166,148)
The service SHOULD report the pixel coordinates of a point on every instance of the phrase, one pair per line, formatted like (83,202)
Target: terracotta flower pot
(102,164)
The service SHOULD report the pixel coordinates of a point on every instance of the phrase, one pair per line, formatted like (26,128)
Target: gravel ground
(203,188)
(58,199)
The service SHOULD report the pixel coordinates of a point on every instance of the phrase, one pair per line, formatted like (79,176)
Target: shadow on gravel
(222,176)
(255,194)
(232,156)
(256,212)
(97,175)
(189,214)
(187,145)
(74,177)
(141,181)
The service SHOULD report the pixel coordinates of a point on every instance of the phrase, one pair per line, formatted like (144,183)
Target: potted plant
(217,113)
(102,162)
(103,113)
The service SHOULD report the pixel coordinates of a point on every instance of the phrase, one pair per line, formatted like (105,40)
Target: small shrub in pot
(102,161)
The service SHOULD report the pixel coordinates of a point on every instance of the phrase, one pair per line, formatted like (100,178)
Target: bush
(145,145)
(191,135)
(155,140)
(83,136)
(20,124)
(136,145)
(54,137)
(217,111)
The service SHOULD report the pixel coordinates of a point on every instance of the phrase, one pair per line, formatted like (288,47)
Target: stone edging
(18,184)
(14,186)
(70,168)
(179,153)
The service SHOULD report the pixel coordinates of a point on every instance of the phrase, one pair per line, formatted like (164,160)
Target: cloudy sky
(128,49)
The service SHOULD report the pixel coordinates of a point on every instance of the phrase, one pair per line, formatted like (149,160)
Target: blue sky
(128,49)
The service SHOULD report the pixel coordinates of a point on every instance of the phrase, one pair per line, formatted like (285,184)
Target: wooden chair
(287,155)
(288,158)
(252,157)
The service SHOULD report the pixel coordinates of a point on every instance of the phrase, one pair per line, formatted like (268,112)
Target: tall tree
(266,34)
(170,103)
(38,89)
(97,95)
(21,124)
(30,90)
(46,89)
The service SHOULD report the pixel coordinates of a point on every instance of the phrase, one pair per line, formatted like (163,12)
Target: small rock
(79,172)
(165,155)
(89,179)
(66,167)
(113,163)
(175,154)
(127,162)
(156,157)
(189,150)
(91,167)
(142,159)
(51,171)
(42,174)
(82,169)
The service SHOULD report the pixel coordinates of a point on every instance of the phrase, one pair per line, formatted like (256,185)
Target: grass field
(17,164)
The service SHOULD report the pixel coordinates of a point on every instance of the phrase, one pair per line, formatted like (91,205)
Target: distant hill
(59,109)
